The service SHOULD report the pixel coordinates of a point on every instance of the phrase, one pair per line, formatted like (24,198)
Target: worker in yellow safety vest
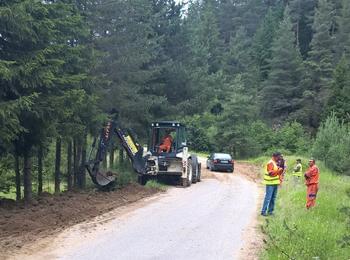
(297,171)
(272,181)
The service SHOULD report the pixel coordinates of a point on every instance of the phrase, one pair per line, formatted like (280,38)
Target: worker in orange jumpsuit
(312,177)
(166,143)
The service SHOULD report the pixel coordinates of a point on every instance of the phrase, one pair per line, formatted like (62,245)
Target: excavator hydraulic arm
(134,151)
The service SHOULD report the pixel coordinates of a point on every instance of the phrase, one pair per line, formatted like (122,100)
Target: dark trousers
(269,201)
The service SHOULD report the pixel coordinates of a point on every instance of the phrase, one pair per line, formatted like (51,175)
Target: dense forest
(246,76)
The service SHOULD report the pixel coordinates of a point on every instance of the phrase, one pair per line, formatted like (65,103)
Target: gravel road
(205,221)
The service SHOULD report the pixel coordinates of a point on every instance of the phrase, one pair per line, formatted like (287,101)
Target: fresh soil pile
(49,214)
(252,171)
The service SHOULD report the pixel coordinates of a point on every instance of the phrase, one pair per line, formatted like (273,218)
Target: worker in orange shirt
(272,181)
(166,143)
(312,176)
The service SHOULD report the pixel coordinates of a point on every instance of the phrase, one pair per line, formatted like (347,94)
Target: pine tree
(302,12)
(339,101)
(319,67)
(343,35)
(238,59)
(263,38)
(320,56)
(282,85)
(207,45)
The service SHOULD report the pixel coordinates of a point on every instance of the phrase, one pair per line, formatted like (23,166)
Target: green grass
(153,184)
(200,154)
(320,232)
(47,187)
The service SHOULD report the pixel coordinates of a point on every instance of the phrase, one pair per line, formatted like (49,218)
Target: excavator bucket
(100,177)
(104,179)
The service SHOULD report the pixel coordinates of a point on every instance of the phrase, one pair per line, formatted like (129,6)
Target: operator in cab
(167,141)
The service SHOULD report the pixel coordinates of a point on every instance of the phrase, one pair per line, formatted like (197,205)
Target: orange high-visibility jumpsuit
(311,180)
(166,144)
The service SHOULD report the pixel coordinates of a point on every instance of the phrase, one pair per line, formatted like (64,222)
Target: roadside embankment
(22,225)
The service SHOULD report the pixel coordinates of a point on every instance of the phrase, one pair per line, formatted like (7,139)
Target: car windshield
(222,156)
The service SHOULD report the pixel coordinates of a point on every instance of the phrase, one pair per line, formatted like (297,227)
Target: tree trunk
(111,158)
(121,155)
(82,175)
(18,178)
(75,162)
(104,162)
(40,170)
(69,165)
(27,177)
(58,165)
(78,160)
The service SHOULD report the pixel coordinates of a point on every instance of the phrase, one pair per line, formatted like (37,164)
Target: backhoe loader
(175,161)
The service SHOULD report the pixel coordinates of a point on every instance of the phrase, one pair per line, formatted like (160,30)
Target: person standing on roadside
(282,164)
(272,181)
(297,171)
(312,177)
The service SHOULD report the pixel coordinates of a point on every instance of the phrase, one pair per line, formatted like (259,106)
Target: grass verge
(153,184)
(320,233)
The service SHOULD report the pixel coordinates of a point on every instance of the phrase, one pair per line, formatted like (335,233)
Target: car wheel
(199,172)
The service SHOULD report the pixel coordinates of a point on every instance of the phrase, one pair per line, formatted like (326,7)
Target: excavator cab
(160,131)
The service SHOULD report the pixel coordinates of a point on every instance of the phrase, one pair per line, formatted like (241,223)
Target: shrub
(332,145)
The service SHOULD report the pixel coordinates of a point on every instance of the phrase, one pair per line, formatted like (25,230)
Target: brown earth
(22,225)
(252,236)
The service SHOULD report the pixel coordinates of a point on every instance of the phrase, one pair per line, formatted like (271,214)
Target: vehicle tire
(199,172)
(186,182)
(142,179)
(195,170)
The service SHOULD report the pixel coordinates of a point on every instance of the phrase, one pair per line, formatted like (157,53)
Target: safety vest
(271,180)
(299,172)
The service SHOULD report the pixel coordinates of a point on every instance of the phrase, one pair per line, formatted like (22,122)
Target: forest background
(247,77)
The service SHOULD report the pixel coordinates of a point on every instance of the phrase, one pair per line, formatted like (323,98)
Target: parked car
(220,162)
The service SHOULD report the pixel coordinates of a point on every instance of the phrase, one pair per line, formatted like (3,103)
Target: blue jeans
(269,201)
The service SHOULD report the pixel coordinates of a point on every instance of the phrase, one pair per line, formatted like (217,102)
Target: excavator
(175,161)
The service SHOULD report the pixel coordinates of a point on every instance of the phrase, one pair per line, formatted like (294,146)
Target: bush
(153,184)
(292,138)
(200,129)
(7,175)
(332,145)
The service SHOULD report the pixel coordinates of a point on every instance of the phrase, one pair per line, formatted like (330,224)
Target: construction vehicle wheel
(186,182)
(142,179)
(195,170)
(199,172)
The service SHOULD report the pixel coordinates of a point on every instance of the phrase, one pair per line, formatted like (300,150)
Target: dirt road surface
(213,219)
